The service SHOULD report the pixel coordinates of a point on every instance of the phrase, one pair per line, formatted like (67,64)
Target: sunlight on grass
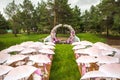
(64,66)
(91,37)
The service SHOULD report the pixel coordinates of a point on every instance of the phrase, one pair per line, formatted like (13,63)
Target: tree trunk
(15,32)
(28,31)
(107,31)
(55,16)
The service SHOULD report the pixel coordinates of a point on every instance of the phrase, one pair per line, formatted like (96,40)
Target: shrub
(2,31)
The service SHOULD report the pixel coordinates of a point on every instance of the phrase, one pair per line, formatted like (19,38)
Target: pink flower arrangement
(69,40)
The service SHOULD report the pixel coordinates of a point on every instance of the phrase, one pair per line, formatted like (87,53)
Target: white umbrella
(86,43)
(117,54)
(26,44)
(112,70)
(94,51)
(39,58)
(50,43)
(46,51)
(39,43)
(43,59)
(20,72)
(15,58)
(86,59)
(76,43)
(104,46)
(117,50)
(4,69)
(78,47)
(3,51)
(36,45)
(107,52)
(4,57)
(93,74)
(48,47)
(16,48)
(27,51)
(107,59)
(80,51)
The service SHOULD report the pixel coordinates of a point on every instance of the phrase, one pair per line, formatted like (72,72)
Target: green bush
(2,31)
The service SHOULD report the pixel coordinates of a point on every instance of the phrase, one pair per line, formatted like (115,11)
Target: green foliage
(43,18)
(3,23)
(64,66)
(27,13)
(25,17)
(64,14)
(116,26)
(63,35)
(11,11)
(13,53)
(102,18)
(3,31)
(95,19)
(61,11)
(109,9)
(76,20)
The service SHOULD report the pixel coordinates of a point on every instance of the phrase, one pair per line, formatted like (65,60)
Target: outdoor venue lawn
(7,40)
(91,37)
(64,66)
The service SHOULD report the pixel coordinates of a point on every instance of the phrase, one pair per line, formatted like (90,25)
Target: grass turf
(7,40)
(64,66)
(91,37)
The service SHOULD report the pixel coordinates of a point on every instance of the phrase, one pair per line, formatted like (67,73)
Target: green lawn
(91,37)
(7,40)
(64,66)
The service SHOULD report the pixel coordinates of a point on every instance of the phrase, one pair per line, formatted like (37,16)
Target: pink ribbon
(77,55)
(83,69)
(38,72)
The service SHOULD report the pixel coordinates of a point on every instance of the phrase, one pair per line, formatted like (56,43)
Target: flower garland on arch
(69,40)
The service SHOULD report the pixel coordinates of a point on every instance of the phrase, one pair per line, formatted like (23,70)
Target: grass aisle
(64,66)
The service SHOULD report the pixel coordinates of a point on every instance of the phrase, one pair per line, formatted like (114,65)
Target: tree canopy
(102,18)
(3,24)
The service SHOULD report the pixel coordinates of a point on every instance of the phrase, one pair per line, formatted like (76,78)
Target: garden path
(64,66)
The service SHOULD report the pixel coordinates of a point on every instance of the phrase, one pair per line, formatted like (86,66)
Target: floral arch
(52,37)
(69,40)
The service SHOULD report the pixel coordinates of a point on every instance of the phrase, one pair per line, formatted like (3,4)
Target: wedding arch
(52,37)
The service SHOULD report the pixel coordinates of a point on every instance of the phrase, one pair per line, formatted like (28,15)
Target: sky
(82,4)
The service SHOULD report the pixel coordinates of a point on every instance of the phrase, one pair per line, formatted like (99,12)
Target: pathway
(64,66)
